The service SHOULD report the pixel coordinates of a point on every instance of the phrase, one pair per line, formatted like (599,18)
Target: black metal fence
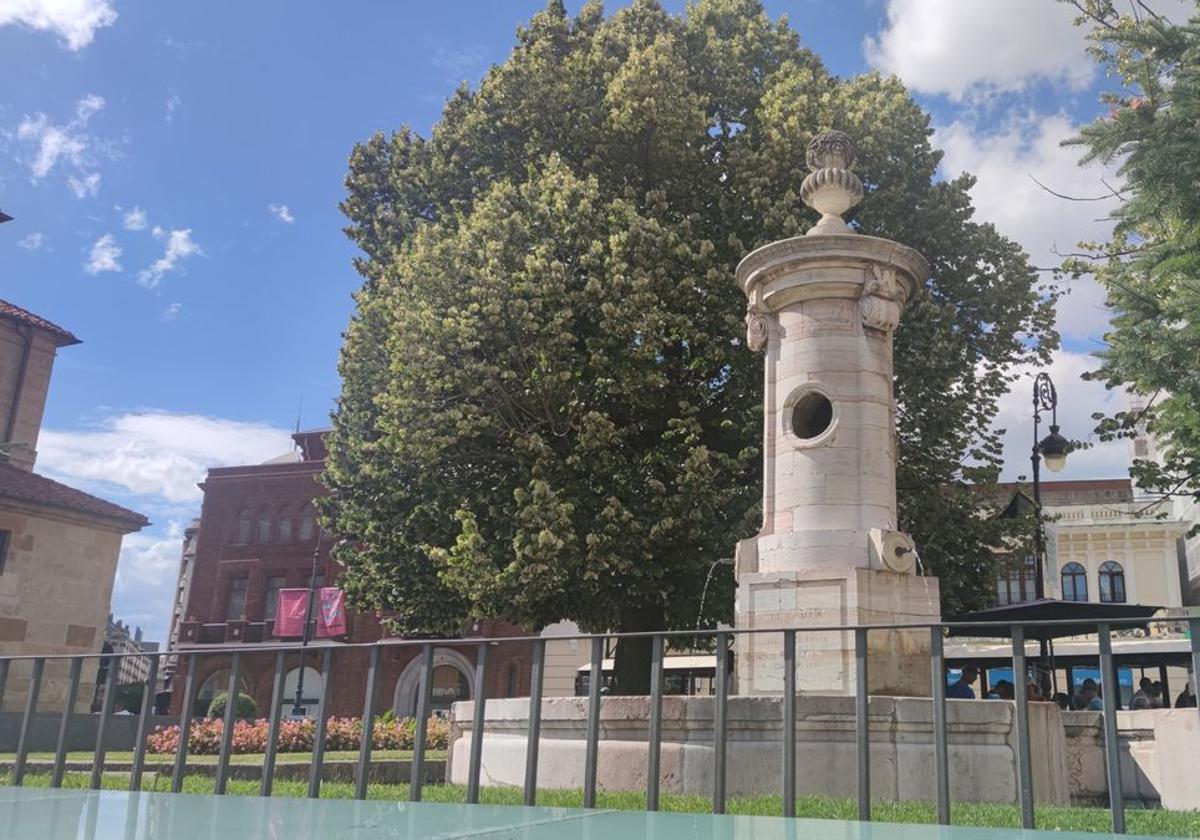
(659,641)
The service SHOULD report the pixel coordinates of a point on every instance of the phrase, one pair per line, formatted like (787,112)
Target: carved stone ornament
(831,188)
(758,330)
(880,304)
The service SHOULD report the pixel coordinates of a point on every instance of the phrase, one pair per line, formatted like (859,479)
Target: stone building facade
(58,546)
(257,534)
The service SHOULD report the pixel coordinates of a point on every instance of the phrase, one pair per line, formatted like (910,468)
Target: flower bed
(250,736)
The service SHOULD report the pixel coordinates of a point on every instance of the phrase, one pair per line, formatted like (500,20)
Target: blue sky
(175,171)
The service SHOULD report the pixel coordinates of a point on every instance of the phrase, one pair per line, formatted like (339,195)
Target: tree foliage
(548,411)
(1150,268)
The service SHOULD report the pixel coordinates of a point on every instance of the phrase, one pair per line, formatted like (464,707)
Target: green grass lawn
(1140,821)
(117,757)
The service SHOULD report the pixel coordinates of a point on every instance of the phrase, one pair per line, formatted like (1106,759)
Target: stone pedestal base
(898,660)
(982,747)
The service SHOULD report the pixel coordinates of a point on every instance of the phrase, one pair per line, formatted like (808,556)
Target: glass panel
(235,606)
(271,602)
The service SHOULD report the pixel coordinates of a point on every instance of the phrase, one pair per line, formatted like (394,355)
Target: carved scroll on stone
(758,330)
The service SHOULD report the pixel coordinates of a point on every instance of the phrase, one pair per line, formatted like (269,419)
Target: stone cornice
(809,267)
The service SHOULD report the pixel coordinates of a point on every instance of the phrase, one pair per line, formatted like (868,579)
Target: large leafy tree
(1150,268)
(547,409)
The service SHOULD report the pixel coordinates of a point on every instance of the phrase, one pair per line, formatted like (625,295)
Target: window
(1017,584)
(811,415)
(5,539)
(1074,582)
(285,527)
(307,521)
(264,527)
(271,599)
(243,536)
(235,603)
(1112,583)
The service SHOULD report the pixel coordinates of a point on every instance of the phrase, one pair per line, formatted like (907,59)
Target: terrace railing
(721,639)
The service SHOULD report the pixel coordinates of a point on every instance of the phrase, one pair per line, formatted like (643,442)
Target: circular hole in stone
(812,415)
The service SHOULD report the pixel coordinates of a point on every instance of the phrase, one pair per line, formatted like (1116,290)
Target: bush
(250,736)
(246,708)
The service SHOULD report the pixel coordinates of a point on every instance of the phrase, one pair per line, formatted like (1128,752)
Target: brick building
(258,534)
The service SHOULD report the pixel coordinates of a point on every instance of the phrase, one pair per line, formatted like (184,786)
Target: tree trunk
(631,667)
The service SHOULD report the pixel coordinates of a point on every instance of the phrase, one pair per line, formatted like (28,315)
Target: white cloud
(74,21)
(971,48)
(104,255)
(144,590)
(281,212)
(135,219)
(85,187)
(69,145)
(152,461)
(1006,195)
(962,47)
(32,241)
(172,312)
(180,245)
(173,103)
(1077,400)
(157,455)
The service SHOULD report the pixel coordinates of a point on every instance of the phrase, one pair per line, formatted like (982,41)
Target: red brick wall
(278,490)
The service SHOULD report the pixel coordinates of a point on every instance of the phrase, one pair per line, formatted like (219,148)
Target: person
(1186,698)
(1160,695)
(1096,704)
(1006,690)
(1063,701)
(120,709)
(961,689)
(1033,693)
(1085,695)
(1143,698)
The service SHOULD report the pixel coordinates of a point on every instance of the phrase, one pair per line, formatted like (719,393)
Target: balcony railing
(721,640)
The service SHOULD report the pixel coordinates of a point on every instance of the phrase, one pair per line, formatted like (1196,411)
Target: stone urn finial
(831,188)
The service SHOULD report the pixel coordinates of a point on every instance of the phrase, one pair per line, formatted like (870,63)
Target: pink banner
(331,621)
(290,612)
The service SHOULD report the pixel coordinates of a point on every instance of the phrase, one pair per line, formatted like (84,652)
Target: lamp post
(297,709)
(1054,448)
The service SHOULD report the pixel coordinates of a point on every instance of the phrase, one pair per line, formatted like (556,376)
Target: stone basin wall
(982,746)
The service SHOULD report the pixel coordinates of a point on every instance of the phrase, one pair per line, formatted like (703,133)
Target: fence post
(592,743)
(60,748)
(940,750)
(533,734)
(110,690)
(789,723)
(363,770)
(1112,744)
(424,695)
(268,773)
(654,748)
(1024,762)
(31,700)
(720,715)
(862,723)
(478,719)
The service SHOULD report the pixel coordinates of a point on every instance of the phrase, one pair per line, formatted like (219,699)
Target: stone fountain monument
(822,308)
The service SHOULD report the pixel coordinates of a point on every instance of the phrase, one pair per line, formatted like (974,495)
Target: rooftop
(31,488)
(12,312)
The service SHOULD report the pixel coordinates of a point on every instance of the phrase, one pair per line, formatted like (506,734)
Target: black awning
(995,623)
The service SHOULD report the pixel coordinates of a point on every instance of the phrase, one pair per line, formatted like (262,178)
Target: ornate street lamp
(1054,449)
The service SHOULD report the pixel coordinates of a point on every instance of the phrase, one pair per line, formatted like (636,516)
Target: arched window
(1112,583)
(307,523)
(243,527)
(285,526)
(216,683)
(1074,582)
(310,698)
(264,526)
